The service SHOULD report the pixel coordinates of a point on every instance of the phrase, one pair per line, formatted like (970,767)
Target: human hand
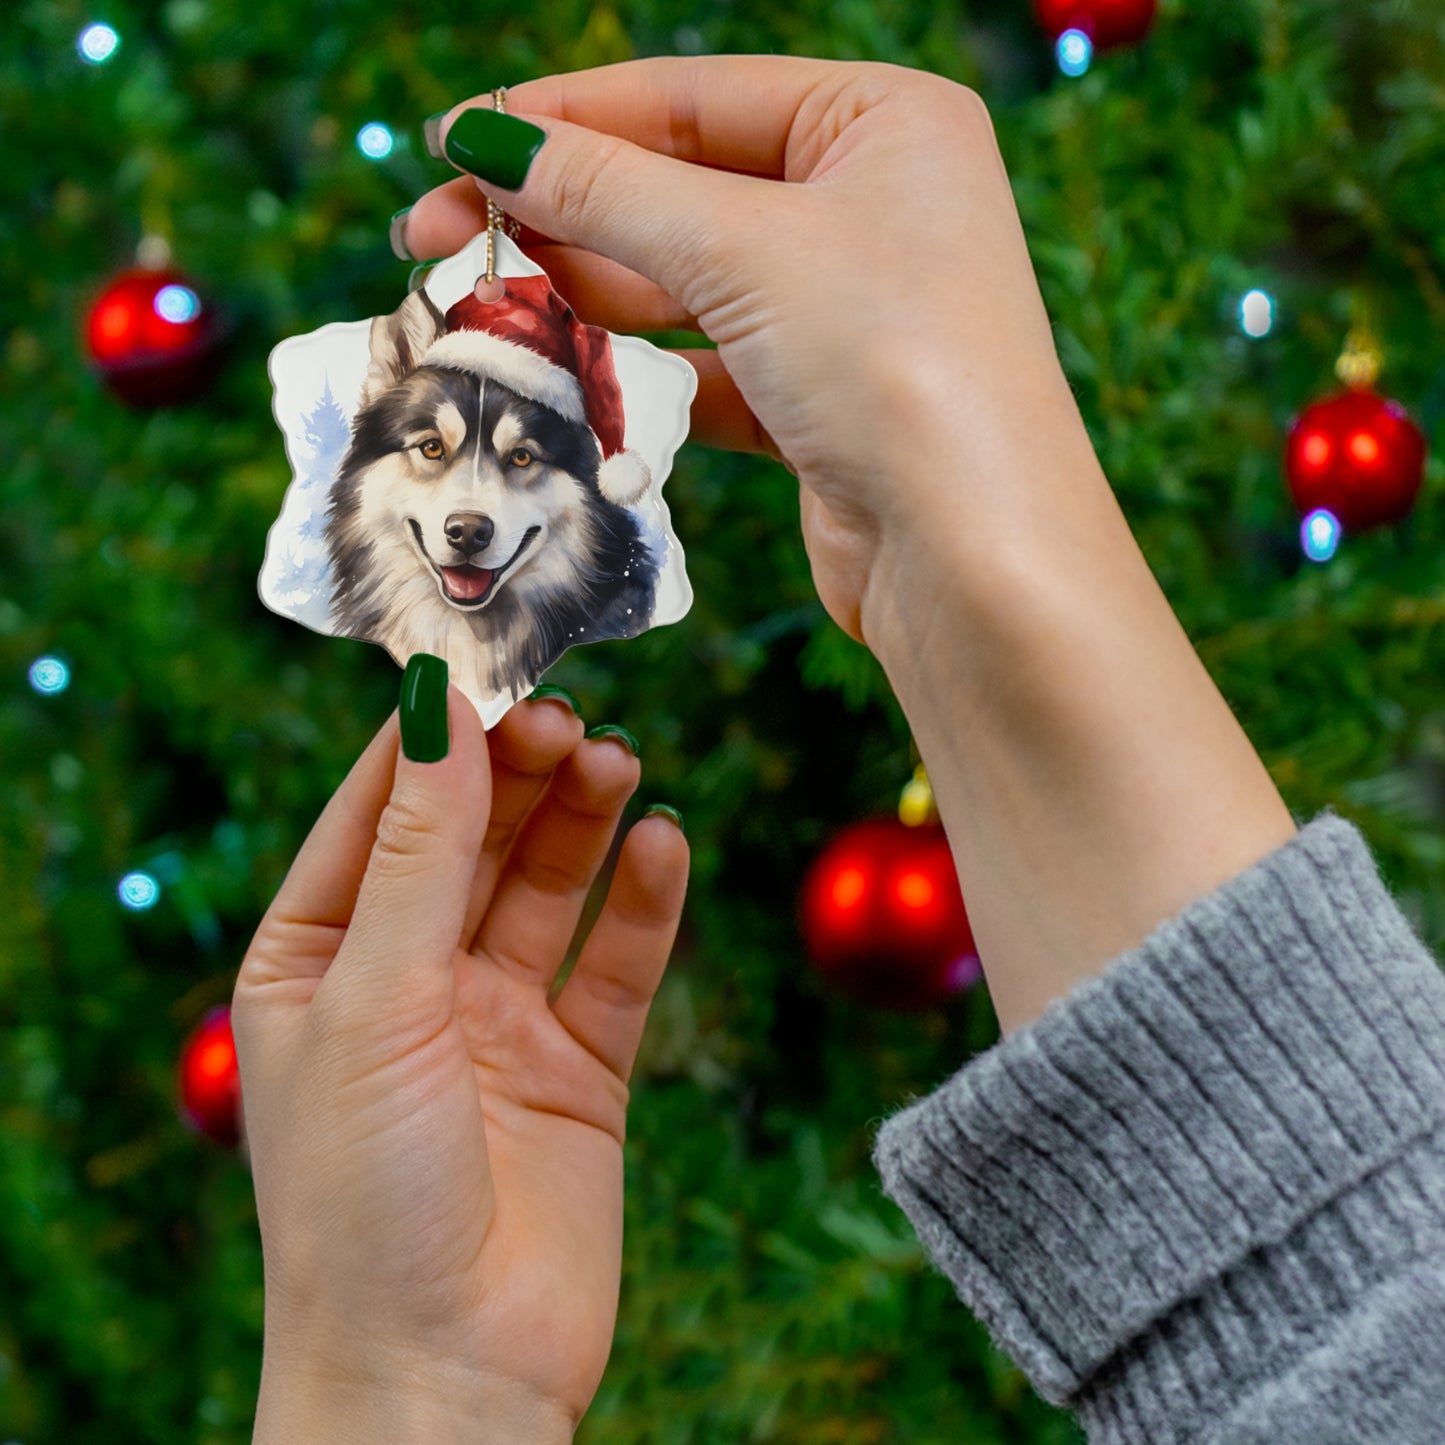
(847,235)
(437,1150)
(877,319)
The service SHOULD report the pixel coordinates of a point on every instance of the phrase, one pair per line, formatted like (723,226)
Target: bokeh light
(49,675)
(97,43)
(1320,535)
(1075,52)
(1315,451)
(375,141)
(914,889)
(1256,313)
(210,1079)
(177,304)
(138,891)
(964,971)
(1364,448)
(849,887)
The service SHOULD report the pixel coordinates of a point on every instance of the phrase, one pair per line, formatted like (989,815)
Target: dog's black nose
(469,531)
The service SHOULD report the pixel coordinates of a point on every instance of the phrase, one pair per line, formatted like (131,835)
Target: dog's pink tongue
(466,583)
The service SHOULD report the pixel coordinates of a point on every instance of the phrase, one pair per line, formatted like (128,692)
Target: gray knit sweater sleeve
(1202,1199)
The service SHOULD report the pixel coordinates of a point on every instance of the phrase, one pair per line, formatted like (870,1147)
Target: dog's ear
(399,341)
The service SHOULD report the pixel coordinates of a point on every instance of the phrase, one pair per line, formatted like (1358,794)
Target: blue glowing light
(138,891)
(375,140)
(1256,313)
(1320,535)
(49,675)
(97,44)
(177,304)
(1075,52)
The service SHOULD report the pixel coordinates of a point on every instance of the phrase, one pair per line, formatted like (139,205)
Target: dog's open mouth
(470,586)
(467,584)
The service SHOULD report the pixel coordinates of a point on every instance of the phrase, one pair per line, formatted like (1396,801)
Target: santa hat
(531,340)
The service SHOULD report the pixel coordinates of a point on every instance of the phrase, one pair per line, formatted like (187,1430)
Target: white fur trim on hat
(623,478)
(519,367)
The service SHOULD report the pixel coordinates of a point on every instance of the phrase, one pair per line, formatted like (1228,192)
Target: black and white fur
(450,469)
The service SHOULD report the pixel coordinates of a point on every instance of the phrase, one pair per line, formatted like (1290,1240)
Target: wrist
(961,556)
(322,1401)
(1092,779)
(996,470)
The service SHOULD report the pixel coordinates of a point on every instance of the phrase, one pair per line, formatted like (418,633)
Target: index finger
(732,112)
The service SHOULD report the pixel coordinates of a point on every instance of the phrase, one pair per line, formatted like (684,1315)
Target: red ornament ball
(210,1081)
(152,337)
(1359,456)
(883,916)
(1107,23)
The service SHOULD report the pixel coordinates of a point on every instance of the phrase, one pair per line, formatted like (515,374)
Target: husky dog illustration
(481,510)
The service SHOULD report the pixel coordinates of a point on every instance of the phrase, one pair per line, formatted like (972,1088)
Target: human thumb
(396,959)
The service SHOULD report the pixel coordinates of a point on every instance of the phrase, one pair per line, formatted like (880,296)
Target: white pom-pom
(623,478)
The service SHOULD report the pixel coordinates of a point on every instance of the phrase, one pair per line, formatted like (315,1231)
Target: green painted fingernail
(424,733)
(547,689)
(397,235)
(664,810)
(612,730)
(498,148)
(431,133)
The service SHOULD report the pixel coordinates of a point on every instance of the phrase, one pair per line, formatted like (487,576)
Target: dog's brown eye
(520,457)
(432,449)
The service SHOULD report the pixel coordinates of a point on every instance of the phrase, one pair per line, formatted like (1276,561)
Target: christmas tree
(1212,211)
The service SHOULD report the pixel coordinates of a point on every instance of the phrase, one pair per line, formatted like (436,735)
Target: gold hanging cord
(497,218)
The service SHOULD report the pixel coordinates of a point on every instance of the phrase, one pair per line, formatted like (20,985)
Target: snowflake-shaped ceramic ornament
(478,476)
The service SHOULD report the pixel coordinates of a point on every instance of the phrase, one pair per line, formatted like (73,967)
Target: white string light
(49,675)
(1256,313)
(1075,52)
(375,140)
(97,43)
(138,891)
(1320,535)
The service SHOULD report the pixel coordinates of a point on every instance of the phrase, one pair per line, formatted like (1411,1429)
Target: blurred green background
(771,1293)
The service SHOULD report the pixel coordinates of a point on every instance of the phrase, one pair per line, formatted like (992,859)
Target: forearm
(1092,779)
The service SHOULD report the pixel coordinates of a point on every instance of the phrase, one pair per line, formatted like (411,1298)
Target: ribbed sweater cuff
(1215,1100)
